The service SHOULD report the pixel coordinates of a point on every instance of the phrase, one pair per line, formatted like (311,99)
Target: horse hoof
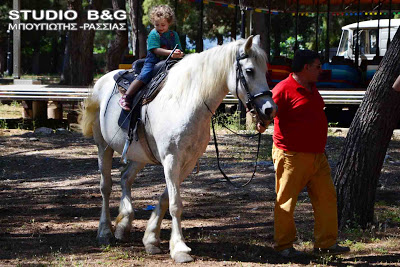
(122,235)
(151,249)
(182,257)
(105,240)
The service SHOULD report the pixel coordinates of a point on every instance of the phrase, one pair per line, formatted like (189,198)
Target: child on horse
(160,43)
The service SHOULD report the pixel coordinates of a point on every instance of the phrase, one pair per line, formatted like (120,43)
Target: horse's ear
(257,40)
(233,39)
(249,43)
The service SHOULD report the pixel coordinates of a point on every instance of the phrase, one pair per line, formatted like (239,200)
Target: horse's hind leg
(124,220)
(151,239)
(104,233)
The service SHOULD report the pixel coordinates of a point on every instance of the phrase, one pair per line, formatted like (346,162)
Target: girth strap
(141,132)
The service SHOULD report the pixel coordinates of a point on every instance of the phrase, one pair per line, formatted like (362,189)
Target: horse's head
(247,81)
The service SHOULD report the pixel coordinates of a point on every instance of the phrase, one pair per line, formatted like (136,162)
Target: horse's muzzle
(266,113)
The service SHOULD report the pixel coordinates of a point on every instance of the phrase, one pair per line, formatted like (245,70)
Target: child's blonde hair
(162,12)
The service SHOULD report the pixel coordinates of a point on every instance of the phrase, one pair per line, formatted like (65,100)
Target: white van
(368,32)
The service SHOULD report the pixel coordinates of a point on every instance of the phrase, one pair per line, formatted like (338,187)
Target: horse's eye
(249,72)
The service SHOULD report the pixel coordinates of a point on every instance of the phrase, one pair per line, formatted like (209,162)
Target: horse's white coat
(177,124)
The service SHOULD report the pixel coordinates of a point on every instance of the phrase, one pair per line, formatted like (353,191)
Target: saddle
(147,93)
(130,120)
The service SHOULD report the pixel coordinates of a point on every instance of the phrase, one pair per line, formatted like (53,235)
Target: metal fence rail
(78,93)
(331,97)
(44,92)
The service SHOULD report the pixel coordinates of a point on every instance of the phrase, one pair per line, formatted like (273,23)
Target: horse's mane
(199,76)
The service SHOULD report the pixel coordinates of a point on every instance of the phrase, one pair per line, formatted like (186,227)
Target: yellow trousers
(294,171)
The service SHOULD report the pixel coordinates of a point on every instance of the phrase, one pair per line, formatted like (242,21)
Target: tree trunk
(220,39)
(361,160)
(260,22)
(277,31)
(118,46)
(139,34)
(78,61)
(3,60)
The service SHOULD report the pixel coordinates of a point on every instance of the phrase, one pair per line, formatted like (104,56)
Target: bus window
(344,43)
(372,41)
(361,42)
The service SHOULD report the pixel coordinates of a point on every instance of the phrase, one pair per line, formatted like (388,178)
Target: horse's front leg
(178,249)
(151,239)
(123,223)
(104,233)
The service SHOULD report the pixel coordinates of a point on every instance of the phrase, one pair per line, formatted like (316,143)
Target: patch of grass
(139,258)
(375,240)
(380,250)
(358,246)
(228,120)
(11,111)
(203,238)
(106,248)
(3,124)
(326,259)
(306,245)
(15,104)
(120,255)
(392,215)
(347,243)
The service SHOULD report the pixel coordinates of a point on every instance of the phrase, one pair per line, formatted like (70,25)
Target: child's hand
(177,54)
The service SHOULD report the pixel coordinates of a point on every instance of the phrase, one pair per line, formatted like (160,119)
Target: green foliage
(392,215)
(15,104)
(3,124)
(99,50)
(228,120)
(287,47)
(102,40)
(106,248)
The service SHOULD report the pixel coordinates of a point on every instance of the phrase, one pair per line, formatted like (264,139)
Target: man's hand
(260,127)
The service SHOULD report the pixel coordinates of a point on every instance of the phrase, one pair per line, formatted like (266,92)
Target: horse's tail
(88,113)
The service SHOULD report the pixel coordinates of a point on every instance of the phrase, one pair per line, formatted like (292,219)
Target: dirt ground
(50,207)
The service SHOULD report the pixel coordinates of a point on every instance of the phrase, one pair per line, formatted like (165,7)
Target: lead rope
(218,161)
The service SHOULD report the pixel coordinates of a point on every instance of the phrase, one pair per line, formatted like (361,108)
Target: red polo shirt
(300,124)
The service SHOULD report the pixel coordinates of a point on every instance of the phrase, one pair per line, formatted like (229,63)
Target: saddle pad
(127,117)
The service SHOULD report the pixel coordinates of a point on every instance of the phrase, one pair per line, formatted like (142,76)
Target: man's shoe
(291,253)
(333,250)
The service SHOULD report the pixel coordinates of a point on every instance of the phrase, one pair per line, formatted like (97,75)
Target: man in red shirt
(298,153)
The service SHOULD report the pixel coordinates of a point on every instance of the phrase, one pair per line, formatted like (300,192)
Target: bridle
(250,105)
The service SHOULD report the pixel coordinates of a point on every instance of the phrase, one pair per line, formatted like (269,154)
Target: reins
(218,160)
(250,106)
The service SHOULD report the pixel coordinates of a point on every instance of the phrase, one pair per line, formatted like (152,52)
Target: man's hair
(303,57)
(162,12)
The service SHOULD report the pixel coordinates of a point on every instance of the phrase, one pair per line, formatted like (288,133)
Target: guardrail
(334,97)
(79,93)
(44,92)
(331,97)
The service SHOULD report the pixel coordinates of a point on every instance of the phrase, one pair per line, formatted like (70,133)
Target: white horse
(177,127)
